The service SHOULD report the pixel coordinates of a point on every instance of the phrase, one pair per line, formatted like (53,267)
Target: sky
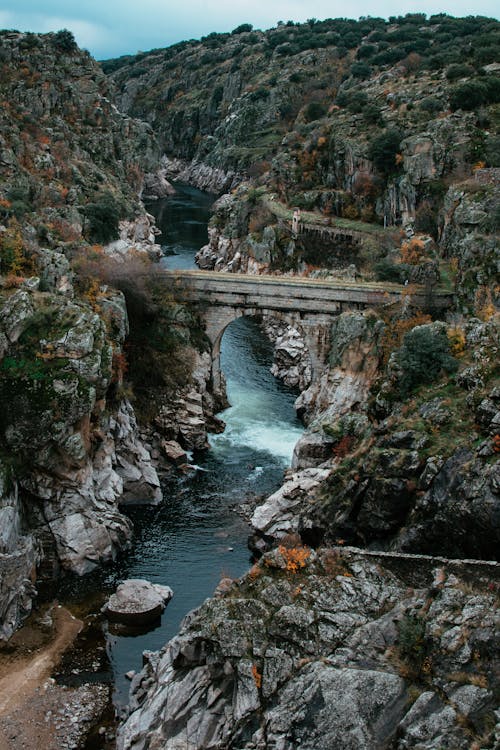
(109,28)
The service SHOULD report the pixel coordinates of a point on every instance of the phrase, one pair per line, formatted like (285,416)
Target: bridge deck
(292,292)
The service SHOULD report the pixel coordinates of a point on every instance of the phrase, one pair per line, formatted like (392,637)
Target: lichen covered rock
(76,462)
(326,649)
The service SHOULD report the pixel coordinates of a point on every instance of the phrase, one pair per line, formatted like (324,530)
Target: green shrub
(411,638)
(476,93)
(486,55)
(314,111)
(360,70)
(386,270)
(372,115)
(424,354)
(102,217)
(431,104)
(459,70)
(492,150)
(243,28)
(64,41)
(354,100)
(365,51)
(383,150)
(259,94)
(426,218)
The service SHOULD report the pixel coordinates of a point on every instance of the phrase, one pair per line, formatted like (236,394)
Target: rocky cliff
(384,135)
(389,466)
(63,144)
(73,233)
(328,649)
(71,453)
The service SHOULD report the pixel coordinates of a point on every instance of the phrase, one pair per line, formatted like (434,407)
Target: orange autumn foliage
(257,676)
(395,331)
(413,252)
(295,557)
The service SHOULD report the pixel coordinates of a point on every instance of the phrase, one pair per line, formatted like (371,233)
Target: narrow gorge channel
(196,535)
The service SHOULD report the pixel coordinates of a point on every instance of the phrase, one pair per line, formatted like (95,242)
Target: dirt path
(34,711)
(19,678)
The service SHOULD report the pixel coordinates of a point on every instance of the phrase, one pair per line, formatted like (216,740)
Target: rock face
(137,602)
(78,461)
(202,176)
(282,512)
(230,246)
(343,389)
(420,476)
(188,416)
(19,556)
(336,152)
(468,235)
(353,364)
(138,236)
(77,150)
(156,185)
(352,656)
(141,484)
(291,362)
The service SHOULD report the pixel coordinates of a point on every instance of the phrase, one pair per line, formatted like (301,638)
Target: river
(196,536)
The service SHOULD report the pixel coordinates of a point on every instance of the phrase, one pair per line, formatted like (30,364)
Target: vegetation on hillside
(378,122)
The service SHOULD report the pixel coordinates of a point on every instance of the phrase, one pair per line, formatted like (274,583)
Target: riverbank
(36,712)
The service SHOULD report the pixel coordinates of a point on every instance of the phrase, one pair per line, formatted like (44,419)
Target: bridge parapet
(297,293)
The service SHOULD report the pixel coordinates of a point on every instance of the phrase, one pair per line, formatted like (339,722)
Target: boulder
(155,185)
(291,357)
(174,452)
(280,514)
(141,484)
(137,601)
(312,449)
(15,314)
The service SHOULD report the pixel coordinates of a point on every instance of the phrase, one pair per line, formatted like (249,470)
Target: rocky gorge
(318,644)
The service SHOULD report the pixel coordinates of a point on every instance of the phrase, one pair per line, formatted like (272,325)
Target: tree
(102,219)
(383,150)
(424,354)
(242,28)
(64,41)
(314,111)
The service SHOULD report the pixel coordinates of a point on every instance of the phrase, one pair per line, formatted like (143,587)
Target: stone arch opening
(313,332)
(217,322)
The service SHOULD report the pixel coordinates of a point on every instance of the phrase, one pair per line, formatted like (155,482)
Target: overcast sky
(108,28)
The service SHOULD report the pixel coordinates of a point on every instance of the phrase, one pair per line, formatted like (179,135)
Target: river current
(196,535)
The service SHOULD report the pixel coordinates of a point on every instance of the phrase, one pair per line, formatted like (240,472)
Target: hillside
(229,99)
(64,145)
(380,123)
(76,287)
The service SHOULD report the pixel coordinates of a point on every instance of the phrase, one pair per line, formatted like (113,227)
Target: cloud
(115,27)
(88,33)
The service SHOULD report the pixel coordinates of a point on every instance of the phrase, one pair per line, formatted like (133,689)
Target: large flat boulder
(137,601)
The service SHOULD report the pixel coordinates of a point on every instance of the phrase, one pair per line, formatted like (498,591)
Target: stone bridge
(308,304)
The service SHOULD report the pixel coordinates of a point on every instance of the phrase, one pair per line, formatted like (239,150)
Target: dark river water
(195,536)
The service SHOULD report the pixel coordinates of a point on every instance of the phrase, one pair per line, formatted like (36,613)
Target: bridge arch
(217,320)
(314,328)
